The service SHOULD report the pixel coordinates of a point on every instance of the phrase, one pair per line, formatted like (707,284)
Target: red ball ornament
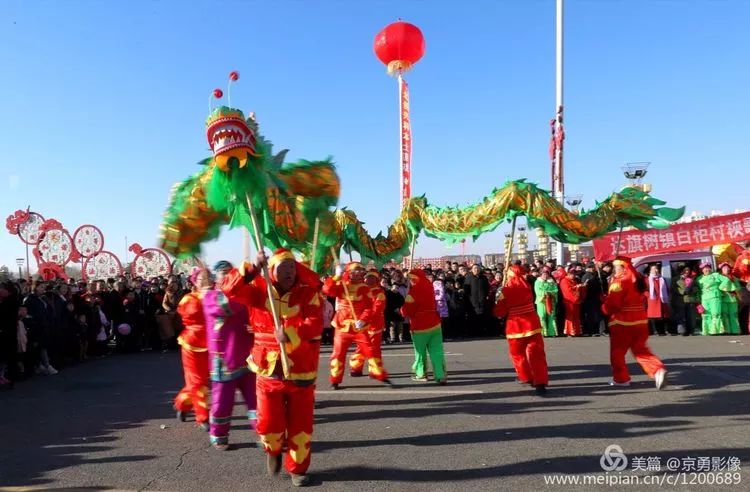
(218,94)
(234,76)
(399,46)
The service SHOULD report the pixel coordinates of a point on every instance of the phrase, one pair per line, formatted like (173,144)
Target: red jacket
(657,308)
(573,292)
(301,312)
(742,266)
(190,309)
(419,305)
(517,303)
(367,303)
(624,303)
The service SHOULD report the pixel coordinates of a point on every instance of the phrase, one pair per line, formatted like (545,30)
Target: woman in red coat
(573,294)
(658,302)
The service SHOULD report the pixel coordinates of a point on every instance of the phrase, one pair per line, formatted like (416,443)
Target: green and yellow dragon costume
(290,198)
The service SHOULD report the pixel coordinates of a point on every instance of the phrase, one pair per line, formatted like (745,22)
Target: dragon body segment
(294,200)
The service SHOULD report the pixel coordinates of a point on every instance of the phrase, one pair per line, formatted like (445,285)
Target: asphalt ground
(109,424)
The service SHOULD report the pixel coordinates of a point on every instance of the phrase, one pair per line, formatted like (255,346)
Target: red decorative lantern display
(399,46)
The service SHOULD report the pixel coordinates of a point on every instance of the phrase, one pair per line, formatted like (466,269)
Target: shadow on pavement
(58,422)
(569,466)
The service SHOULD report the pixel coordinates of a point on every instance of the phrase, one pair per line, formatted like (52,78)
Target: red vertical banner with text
(405,141)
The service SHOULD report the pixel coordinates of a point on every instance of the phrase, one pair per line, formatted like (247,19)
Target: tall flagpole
(558,187)
(401,141)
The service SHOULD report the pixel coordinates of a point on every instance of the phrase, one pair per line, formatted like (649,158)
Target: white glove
(360,324)
(339,270)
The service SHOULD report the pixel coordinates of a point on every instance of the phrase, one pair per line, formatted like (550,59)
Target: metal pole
(400,143)
(28,272)
(558,187)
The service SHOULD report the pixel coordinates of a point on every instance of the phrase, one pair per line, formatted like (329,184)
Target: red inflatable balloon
(399,46)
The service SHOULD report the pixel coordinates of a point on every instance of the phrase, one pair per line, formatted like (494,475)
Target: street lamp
(20,262)
(574,201)
(635,172)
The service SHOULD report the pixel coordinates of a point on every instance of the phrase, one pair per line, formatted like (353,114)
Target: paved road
(99,424)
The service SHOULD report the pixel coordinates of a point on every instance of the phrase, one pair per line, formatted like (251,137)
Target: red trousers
(193,394)
(357,360)
(529,359)
(633,338)
(341,343)
(285,416)
(573,319)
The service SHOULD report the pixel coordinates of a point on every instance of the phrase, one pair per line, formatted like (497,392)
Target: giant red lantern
(399,46)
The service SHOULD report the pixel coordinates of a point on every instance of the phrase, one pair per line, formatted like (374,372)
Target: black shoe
(204,426)
(355,374)
(300,480)
(273,464)
(541,389)
(389,383)
(335,386)
(181,416)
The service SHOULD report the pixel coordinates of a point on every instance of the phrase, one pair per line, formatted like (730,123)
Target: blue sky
(105,102)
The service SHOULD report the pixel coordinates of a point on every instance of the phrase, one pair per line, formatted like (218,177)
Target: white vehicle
(671,264)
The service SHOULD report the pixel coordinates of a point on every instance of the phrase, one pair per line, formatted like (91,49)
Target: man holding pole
(523,330)
(358,311)
(285,402)
(375,333)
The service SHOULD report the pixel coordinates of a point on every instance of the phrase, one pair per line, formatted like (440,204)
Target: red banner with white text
(405,142)
(678,237)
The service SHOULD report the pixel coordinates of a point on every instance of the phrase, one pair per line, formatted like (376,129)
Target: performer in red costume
(358,311)
(628,325)
(742,266)
(523,330)
(194,353)
(285,406)
(375,332)
(573,293)
(426,329)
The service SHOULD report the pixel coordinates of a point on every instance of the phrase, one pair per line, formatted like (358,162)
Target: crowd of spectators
(465,295)
(47,326)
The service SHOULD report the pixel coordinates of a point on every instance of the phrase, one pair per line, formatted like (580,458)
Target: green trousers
(430,342)
(712,319)
(549,325)
(730,318)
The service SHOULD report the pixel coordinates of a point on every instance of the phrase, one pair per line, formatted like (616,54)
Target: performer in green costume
(710,295)
(546,302)
(730,292)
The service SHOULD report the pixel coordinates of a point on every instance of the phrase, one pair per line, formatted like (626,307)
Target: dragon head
(230,135)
